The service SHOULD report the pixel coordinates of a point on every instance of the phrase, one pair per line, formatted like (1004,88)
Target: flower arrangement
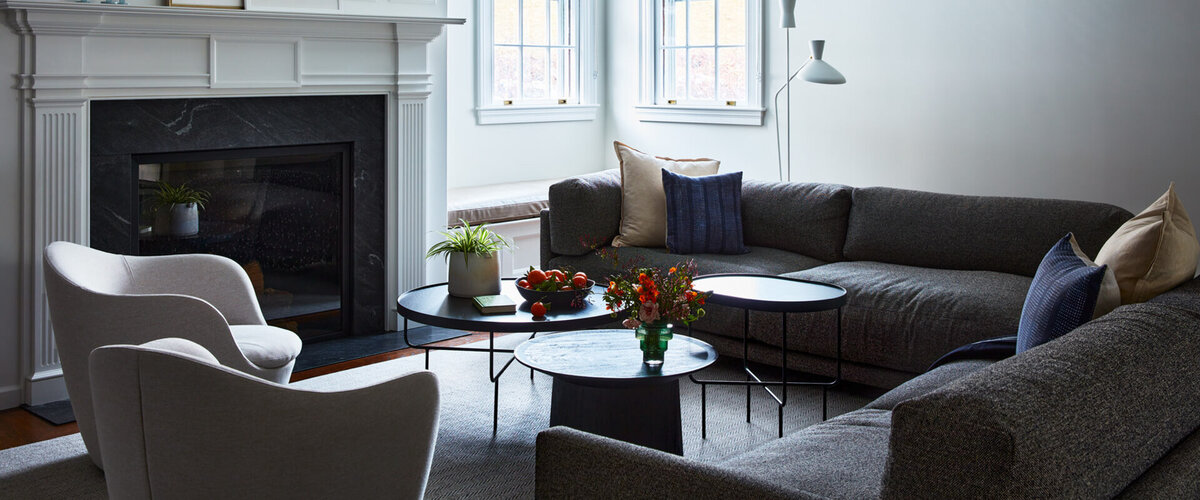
(653,296)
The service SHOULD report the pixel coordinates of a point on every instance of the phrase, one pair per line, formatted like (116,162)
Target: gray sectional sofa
(1106,411)
(925,272)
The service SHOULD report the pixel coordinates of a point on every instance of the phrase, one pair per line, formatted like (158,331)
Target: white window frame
(652,106)
(487,113)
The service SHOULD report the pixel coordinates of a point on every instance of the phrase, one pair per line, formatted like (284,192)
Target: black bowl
(559,299)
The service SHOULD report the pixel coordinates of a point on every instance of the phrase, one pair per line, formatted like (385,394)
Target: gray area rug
(469,462)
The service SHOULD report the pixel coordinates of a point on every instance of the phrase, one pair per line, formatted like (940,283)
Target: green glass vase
(654,338)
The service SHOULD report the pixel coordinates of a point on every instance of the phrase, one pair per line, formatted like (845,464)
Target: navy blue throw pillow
(704,214)
(1062,296)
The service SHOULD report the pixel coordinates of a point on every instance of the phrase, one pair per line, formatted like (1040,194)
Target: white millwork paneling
(59,202)
(412,155)
(82,53)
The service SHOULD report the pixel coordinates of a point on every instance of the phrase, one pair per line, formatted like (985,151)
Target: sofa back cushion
(584,210)
(1082,416)
(804,218)
(985,233)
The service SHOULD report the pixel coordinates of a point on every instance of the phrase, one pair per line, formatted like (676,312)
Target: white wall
(1079,99)
(489,154)
(10,225)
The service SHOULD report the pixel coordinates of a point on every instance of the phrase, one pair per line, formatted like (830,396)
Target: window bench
(511,210)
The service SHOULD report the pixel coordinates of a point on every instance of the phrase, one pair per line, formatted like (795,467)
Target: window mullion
(716,53)
(687,53)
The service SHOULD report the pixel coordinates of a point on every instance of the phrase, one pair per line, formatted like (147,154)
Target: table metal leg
(746,356)
(753,380)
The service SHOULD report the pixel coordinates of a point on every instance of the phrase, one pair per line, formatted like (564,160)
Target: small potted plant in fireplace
(177,209)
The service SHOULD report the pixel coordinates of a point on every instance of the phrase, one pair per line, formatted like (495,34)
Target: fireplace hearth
(293,185)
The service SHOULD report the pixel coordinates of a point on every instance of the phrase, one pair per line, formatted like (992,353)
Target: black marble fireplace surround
(122,129)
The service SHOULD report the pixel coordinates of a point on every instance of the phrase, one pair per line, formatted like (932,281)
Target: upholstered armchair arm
(218,280)
(137,319)
(201,429)
(575,464)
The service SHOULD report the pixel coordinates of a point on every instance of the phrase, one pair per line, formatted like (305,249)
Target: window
(535,61)
(701,61)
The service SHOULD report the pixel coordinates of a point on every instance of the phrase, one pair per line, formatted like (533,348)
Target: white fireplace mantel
(73,53)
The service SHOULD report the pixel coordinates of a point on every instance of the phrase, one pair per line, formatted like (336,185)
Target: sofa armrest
(1082,416)
(576,464)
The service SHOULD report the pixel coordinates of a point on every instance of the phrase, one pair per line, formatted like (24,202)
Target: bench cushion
(498,202)
(986,233)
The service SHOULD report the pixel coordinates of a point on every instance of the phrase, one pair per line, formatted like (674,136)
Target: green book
(494,304)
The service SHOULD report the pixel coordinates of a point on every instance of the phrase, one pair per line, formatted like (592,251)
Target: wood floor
(19,427)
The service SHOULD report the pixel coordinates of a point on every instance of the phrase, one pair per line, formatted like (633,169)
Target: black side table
(769,293)
(601,385)
(431,305)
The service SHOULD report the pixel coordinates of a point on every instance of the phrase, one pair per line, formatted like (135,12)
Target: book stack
(494,304)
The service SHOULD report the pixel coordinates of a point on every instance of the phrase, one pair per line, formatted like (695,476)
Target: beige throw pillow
(1110,292)
(643,202)
(1154,251)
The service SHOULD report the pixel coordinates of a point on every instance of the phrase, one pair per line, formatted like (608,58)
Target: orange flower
(671,271)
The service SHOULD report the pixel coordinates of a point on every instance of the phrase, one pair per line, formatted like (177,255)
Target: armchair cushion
(266,346)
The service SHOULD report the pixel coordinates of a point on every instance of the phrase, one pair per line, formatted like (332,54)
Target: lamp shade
(787,13)
(819,71)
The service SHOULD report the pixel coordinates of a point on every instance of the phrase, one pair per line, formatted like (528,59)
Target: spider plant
(468,240)
(168,195)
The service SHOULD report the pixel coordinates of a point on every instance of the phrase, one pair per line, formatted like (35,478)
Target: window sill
(697,114)
(536,114)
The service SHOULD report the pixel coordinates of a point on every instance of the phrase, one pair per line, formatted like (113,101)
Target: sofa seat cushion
(758,260)
(902,317)
(844,457)
(266,346)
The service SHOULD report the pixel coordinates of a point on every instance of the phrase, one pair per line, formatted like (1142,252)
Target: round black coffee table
(770,293)
(431,305)
(601,385)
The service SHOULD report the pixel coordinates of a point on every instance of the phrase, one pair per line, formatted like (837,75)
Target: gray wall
(1083,99)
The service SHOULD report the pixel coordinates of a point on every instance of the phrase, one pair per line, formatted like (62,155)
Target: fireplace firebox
(278,212)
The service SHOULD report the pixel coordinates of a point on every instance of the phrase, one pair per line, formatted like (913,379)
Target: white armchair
(98,299)
(173,423)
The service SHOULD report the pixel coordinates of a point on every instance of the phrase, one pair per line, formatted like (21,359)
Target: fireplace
(78,65)
(292,196)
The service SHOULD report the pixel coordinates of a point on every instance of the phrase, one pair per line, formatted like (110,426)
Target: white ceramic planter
(474,275)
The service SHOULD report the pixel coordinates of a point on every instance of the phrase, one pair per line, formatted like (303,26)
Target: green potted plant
(177,209)
(473,253)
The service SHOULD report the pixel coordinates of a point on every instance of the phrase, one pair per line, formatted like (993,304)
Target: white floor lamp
(814,70)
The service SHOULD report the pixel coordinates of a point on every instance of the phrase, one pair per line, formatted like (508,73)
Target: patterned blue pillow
(1062,296)
(704,214)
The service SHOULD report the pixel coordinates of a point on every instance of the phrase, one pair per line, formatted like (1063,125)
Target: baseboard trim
(10,396)
(46,387)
